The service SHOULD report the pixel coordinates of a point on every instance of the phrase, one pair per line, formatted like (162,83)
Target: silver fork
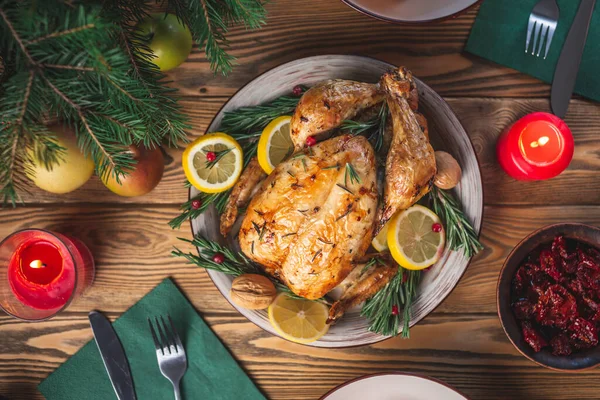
(169,352)
(542,24)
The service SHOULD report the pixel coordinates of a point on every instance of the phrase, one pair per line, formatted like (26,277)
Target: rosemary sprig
(235,263)
(351,172)
(399,292)
(255,118)
(460,234)
(219,155)
(373,129)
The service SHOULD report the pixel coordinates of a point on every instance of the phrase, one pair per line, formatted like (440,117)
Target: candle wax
(40,262)
(541,143)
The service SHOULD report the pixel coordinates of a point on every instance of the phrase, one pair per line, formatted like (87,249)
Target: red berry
(219,258)
(297,90)
(211,156)
(437,227)
(311,141)
(395,310)
(196,204)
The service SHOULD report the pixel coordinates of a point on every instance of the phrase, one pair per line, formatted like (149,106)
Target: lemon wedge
(213,162)
(416,238)
(298,320)
(275,143)
(379,242)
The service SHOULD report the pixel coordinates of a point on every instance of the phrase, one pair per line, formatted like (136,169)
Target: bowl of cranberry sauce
(549,297)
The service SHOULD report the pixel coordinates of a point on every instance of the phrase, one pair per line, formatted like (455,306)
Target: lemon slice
(416,238)
(379,242)
(275,143)
(218,175)
(298,320)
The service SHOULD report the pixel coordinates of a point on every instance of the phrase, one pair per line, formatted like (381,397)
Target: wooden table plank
(483,119)
(131,244)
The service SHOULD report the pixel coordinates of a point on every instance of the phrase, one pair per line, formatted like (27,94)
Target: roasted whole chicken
(311,221)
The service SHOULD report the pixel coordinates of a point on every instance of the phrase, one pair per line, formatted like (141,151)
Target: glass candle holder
(42,272)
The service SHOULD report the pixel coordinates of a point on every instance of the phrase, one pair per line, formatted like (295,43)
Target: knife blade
(567,67)
(113,356)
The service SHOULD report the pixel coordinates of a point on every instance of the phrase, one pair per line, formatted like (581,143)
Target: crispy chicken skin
(410,164)
(326,105)
(310,220)
(361,285)
(240,194)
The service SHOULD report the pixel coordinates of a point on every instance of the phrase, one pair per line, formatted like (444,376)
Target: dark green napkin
(212,373)
(500,31)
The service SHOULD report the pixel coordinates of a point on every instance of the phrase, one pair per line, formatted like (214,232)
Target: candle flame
(37,264)
(540,142)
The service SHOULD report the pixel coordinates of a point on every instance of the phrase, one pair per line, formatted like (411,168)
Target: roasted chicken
(314,215)
(311,221)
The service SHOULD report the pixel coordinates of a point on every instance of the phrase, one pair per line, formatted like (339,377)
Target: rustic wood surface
(461,343)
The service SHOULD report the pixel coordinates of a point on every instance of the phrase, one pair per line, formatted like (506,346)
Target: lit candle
(44,272)
(538,146)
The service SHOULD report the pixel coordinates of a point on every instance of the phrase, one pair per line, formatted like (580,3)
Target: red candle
(44,271)
(538,146)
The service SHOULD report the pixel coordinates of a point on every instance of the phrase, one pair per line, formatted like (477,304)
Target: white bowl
(446,134)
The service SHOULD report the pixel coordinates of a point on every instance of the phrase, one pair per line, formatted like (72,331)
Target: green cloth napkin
(500,31)
(212,373)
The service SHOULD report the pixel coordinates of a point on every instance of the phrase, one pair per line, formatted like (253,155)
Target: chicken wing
(241,193)
(314,215)
(410,164)
(326,105)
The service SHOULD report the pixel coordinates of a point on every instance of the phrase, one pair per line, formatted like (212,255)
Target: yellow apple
(170,40)
(72,171)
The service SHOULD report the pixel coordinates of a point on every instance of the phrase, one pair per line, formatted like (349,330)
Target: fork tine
(536,36)
(170,336)
(551,31)
(529,30)
(176,336)
(543,35)
(163,337)
(156,342)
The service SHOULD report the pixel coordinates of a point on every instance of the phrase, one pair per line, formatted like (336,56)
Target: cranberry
(395,310)
(297,90)
(437,227)
(218,258)
(196,204)
(211,156)
(311,141)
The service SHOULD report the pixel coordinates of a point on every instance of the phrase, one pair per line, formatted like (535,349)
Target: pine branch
(61,33)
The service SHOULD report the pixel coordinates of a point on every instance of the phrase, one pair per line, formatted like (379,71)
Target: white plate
(446,134)
(394,386)
(411,11)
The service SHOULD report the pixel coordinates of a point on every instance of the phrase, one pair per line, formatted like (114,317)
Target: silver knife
(570,59)
(113,356)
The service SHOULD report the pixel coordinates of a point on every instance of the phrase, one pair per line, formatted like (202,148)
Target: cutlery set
(541,27)
(170,353)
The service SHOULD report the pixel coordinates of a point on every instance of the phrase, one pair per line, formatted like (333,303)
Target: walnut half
(252,291)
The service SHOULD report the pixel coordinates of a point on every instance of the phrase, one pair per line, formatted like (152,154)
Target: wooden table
(461,343)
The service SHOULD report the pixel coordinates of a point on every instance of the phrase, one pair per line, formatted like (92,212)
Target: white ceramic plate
(394,386)
(446,133)
(411,11)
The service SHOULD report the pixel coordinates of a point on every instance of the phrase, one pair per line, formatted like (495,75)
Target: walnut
(448,171)
(252,291)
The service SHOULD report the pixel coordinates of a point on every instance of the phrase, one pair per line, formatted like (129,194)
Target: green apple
(72,170)
(144,176)
(168,38)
